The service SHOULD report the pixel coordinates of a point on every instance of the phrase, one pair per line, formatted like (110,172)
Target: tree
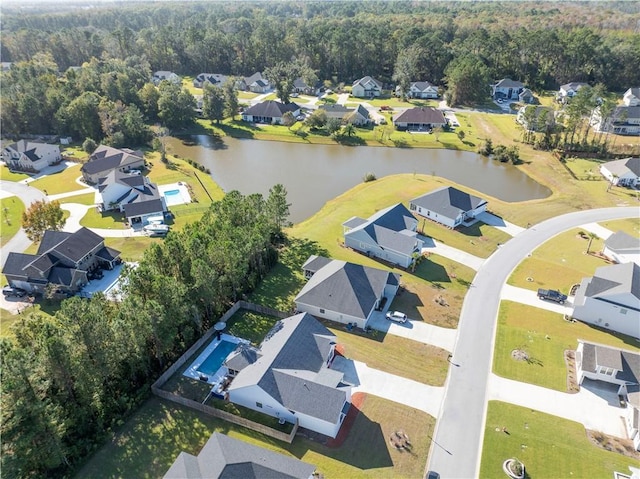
(591,236)
(283,74)
(213,103)
(277,207)
(349,129)
(149,96)
(82,118)
(317,119)
(288,119)
(468,79)
(176,106)
(406,68)
(89,146)
(333,125)
(231,103)
(159,143)
(460,134)
(42,216)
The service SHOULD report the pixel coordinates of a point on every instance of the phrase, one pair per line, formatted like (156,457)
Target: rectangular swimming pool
(213,362)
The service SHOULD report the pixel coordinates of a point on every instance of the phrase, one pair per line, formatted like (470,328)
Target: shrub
(369,177)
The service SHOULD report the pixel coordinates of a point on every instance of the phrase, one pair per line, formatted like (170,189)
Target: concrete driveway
(342,98)
(595,228)
(528,297)
(499,223)
(398,389)
(415,330)
(457,255)
(595,406)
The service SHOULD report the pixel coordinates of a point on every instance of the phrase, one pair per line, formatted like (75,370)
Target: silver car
(396,316)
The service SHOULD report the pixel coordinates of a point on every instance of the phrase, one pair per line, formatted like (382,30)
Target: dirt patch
(572,378)
(519,355)
(613,444)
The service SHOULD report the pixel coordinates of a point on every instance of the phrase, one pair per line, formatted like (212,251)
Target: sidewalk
(457,255)
(401,390)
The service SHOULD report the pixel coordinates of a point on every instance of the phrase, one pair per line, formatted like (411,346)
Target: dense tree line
(66,380)
(541,45)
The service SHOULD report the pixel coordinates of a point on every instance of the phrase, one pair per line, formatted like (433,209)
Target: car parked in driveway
(552,295)
(396,316)
(9,291)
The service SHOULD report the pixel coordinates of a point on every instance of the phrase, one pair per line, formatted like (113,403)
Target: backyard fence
(156,388)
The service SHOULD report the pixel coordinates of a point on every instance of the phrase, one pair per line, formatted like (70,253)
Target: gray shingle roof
(448,201)
(270,108)
(354,222)
(16,263)
(624,166)
(146,207)
(574,85)
(626,362)
(293,353)
(242,356)
(509,83)
(615,279)
(223,457)
(78,244)
(621,241)
(368,79)
(315,262)
(106,158)
(345,288)
(421,85)
(423,114)
(622,114)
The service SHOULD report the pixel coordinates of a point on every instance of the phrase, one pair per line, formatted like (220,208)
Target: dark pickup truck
(552,295)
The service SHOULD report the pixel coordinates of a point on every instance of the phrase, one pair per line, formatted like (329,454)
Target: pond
(314,174)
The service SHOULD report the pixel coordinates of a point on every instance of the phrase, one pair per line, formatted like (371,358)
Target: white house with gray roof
(223,457)
(625,172)
(30,155)
(632,97)
(420,89)
(106,159)
(345,292)
(448,206)
(622,248)
(569,90)
(293,376)
(366,87)
(614,366)
(390,235)
(507,89)
(610,299)
(269,112)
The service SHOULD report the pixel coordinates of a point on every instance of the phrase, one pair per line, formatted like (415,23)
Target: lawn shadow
(350,140)
(473,230)
(432,272)
(409,303)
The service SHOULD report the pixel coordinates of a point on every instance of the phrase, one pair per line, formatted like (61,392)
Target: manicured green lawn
(11,210)
(586,169)
(548,446)
(7,319)
(61,182)
(7,175)
(247,95)
(525,327)
(630,226)
(108,219)
(86,199)
(559,263)
(151,439)
(246,324)
(131,248)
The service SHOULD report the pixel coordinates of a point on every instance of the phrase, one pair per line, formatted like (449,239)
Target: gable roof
(424,114)
(223,457)
(622,114)
(625,362)
(346,288)
(253,78)
(423,85)
(614,279)
(508,83)
(270,108)
(75,246)
(30,149)
(574,85)
(368,81)
(106,158)
(289,369)
(143,207)
(635,91)
(621,241)
(448,201)
(624,166)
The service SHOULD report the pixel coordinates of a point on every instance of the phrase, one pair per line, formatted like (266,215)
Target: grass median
(12,209)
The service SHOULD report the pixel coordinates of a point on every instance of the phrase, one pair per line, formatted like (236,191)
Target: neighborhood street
(457,445)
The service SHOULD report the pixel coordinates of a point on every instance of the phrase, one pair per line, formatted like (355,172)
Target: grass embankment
(559,263)
(549,446)
(11,210)
(8,175)
(152,438)
(544,336)
(61,182)
(85,199)
(630,226)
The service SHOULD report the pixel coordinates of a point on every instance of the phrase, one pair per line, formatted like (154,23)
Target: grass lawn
(525,327)
(86,199)
(131,248)
(42,307)
(61,182)
(585,168)
(8,175)
(109,219)
(12,209)
(548,446)
(148,443)
(247,95)
(630,226)
(246,324)
(559,263)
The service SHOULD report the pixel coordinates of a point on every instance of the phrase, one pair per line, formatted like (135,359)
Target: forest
(68,379)
(455,45)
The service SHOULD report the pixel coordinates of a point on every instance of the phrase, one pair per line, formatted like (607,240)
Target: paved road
(455,451)
(27,195)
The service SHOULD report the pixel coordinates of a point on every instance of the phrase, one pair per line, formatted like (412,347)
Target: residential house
(526,96)
(216,79)
(292,376)
(535,118)
(632,97)
(420,89)
(63,259)
(30,156)
(622,248)
(163,75)
(569,90)
(358,116)
(300,86)
(624,120)
(134,195)
(390,235)
(614,366)
(223,457)
(610,299)
(448,206)
(366,87)
(106,159)
(507,89)
(422,118)
(243,83)
(625,172)
(345,292)
(270,112)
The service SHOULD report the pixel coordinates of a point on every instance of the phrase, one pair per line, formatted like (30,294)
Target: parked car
(433,475)
(294,95)
(9,291)
(396,316)
(552,295)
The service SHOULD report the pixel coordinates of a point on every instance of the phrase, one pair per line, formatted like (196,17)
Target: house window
(259,404)
(412,207)
(321,311)
(623,311)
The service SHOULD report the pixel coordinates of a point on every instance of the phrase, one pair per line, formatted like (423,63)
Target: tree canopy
(41,216)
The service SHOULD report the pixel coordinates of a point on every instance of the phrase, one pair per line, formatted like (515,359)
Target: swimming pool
(213,362)
(175,194)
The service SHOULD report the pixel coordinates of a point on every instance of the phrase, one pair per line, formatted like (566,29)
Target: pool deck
(192,371)
(184,196)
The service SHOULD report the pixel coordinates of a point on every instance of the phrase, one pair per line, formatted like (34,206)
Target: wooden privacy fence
(156,388)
